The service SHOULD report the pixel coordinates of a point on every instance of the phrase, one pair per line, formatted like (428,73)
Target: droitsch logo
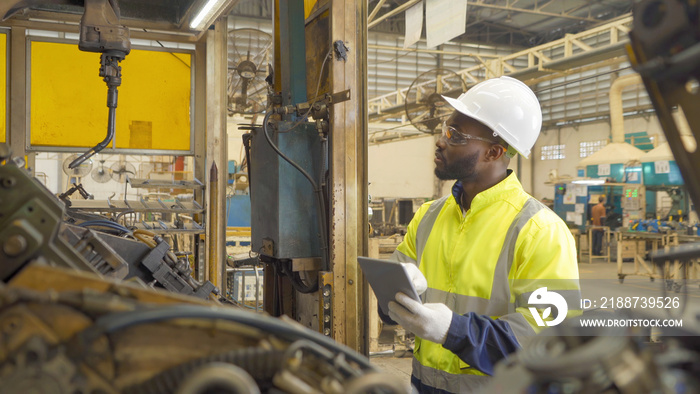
(543,297)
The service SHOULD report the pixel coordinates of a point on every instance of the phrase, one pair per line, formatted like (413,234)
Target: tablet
(387,278)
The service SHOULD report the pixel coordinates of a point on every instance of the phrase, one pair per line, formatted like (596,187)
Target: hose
(111,72)
(260,363)
(140,235)
(297,283)
(119,321)
(104,223)
(111,127)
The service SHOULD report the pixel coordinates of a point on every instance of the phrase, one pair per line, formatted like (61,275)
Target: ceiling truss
(557,58)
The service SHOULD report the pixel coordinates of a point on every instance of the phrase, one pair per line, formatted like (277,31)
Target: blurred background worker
(598,216)
(479,253)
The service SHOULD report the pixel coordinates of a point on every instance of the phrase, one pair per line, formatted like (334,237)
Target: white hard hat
(508,107)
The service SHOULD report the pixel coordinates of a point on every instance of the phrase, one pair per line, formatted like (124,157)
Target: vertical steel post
(200,147)
(216,150)
(348,161)
(18,139)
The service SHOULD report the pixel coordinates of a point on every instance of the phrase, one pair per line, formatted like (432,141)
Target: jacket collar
(507,186)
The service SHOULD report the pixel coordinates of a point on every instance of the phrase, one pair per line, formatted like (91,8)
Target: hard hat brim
(458,105)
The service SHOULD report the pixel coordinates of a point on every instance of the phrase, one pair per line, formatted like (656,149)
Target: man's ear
(495,152)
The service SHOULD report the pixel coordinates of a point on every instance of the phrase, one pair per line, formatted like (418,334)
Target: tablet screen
(387,278)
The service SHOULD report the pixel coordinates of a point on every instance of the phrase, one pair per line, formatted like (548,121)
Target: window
(587,148)
(154,102)
(553,152)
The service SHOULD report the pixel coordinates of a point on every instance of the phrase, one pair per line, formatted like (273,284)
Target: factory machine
(307,172)
(86,310)
(108,309)
(634,205)
(573,202)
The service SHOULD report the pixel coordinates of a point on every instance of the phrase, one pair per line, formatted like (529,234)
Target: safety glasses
(454,137)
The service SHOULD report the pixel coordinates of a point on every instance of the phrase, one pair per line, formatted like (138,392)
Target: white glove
(417,277)
(428,321)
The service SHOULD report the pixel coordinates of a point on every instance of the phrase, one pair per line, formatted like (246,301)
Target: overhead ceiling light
(590,182)
(204,14)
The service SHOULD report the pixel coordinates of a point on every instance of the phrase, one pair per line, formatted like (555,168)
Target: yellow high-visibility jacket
(484,265)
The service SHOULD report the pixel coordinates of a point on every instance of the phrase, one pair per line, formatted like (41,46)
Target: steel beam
(375,10)
(535,62)
(529,11)
(397,10)
(435,51)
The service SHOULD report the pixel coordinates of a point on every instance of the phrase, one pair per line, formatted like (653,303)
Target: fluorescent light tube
(205,12)
(589,181)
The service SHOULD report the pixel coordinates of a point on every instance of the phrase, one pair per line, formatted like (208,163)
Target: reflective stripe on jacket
(487,261)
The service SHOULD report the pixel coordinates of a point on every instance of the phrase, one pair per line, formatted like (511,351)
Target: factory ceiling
(173,15)
(521,23)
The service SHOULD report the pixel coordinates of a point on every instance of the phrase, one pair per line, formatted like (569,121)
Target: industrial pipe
(617,127)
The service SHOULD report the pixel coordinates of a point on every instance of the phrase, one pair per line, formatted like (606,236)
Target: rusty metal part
(89,325)
(31,229)
(38,368)
(222,377)
(29,219)
(214,260)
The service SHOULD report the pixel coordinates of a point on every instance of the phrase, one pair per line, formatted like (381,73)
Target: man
(480,252)
(598,215)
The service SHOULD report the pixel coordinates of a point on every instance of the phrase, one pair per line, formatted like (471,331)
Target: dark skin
(479,165)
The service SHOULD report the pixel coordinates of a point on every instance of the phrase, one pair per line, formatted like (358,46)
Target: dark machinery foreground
(83,311)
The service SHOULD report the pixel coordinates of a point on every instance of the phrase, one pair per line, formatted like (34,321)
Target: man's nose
(440,143)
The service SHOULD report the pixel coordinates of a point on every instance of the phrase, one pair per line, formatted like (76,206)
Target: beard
(463,169)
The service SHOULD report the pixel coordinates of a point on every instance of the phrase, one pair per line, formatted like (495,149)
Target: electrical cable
(174,55)
(318,87)
(141,234)
(119,216)
(115,322)
(104,223)
(395,58)
(247,138)
(317,191)
(295,278)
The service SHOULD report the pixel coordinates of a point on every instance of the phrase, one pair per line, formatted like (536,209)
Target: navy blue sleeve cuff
(480,341)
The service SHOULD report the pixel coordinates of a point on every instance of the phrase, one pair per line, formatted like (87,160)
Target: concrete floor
(400,367)
(597,279)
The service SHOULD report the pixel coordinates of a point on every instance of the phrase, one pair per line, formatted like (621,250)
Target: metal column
(200,144)
(348,166)
(18,91)
(216,152)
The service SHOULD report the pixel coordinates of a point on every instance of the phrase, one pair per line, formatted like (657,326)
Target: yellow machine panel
(69,99)
(3,87)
